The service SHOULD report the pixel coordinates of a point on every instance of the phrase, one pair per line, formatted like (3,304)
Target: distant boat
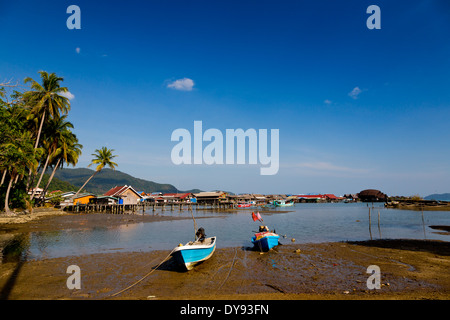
(244,205)
(282,203)
(266,240)
(193,253)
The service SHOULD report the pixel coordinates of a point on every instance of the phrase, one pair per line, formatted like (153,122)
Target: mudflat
(409,269)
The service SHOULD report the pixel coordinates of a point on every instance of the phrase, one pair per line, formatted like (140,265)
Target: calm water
(307,223)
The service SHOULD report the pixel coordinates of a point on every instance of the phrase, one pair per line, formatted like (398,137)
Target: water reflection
(13,250)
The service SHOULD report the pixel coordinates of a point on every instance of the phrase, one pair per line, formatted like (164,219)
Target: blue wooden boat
(282,203)
(194,252)
(264,241)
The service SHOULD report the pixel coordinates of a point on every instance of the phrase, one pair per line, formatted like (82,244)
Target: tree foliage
(34,133)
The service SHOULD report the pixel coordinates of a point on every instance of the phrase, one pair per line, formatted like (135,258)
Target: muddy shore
(410,269)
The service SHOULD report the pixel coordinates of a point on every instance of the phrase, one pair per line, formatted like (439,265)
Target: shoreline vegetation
(410,269)
(36,136)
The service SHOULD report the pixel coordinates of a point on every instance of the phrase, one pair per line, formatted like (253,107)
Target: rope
(229,272)
(129,287)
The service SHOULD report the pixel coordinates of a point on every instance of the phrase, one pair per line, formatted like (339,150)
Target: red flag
(256,216)
(259,217)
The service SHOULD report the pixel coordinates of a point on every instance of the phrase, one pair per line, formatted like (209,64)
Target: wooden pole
(423,224)
(379,229)
(195,225)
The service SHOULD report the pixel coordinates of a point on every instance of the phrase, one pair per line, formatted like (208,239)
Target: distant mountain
(107,179)
(440,197)
(56,184)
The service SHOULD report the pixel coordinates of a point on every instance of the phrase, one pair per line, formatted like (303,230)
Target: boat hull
(192,254)
(277,204)
(265,242)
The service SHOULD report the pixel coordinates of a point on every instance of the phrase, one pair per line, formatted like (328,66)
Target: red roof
(177,195)
(318,196)
(312,196)
(117,191)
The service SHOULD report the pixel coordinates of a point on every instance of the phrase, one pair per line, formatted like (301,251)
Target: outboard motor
(200,234)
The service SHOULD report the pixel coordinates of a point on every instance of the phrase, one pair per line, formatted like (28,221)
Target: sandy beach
(410,269)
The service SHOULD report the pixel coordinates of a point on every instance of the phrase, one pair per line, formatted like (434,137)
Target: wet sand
(410,269)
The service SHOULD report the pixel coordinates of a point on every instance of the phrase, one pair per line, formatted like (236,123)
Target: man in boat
(200,234)
(263,229)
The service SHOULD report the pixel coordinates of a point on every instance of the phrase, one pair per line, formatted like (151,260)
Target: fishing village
(128,242)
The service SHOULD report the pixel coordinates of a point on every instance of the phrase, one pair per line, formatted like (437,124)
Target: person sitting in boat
(263,229)
(200,234)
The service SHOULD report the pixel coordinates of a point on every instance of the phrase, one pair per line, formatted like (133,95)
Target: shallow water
(306,223)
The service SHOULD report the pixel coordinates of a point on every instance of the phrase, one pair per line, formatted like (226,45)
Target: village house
(83,198)
(37,192)
(213,197)
(104,200)
(125,194)
(328,197)
(178,197)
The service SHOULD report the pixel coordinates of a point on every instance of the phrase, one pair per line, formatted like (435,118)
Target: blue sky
(356,108)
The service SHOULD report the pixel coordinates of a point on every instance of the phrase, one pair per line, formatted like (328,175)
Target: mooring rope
(229,272)
(129,287)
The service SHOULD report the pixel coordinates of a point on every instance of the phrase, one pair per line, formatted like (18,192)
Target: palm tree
(68,152)
(46,98)
(55,131)
(103,157)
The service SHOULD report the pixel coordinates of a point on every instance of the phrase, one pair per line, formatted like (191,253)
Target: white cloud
(327,101)
(78,50)
(184,84)
(68,95)
(355,93)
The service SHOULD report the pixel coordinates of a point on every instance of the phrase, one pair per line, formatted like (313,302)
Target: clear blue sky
(356,108)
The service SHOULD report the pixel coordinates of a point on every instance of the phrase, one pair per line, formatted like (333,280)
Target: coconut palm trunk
(3,177)
(30,172)
(50,179)
(7,210)
(40,178)
(40,130)
(86,183)
(103,157)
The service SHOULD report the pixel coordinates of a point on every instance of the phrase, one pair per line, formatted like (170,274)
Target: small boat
(282,203)
(194,252)
(244,205)
(264,241)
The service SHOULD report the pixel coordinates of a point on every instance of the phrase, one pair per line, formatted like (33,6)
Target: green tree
(45,98)
(55,131)
(17,157)
(102,158)
(16,149)
(68,152)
